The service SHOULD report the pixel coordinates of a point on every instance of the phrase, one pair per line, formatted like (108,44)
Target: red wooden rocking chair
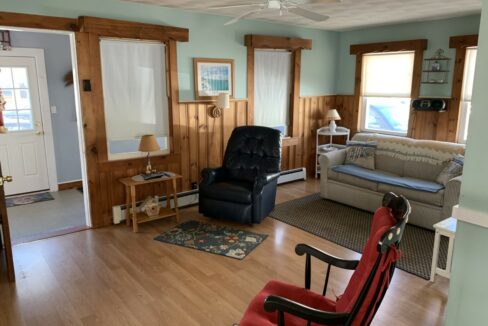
(281,304)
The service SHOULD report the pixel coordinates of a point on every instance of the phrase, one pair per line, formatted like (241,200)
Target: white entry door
(22,148)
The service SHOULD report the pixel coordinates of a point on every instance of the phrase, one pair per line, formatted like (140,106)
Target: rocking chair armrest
(302,249)
(276,303)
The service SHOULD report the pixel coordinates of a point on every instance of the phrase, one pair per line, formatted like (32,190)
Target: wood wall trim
(276,42)
(131,30)
(37,21)
(250,85)
(295,93)
(415,92)
(410,45)
(463,41)
(450,125)
(359,50)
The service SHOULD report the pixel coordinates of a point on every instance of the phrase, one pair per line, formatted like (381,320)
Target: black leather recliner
(244,188)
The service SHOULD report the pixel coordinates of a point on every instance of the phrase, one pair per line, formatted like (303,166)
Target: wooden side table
(446,228)
(131,184)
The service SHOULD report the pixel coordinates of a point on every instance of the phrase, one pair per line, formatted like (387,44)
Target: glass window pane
(5,77)
(25,120)
(8,95)
(10,120)
(22,98)
(20,77)
(387,114)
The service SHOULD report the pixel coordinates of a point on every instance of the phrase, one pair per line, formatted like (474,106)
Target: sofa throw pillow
(453,169)
(361,153)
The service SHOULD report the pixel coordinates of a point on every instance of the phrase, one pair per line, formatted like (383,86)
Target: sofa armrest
(331,159)
(451,195)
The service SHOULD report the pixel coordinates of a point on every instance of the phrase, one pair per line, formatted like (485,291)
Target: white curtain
(134,91)
(387,74)
(272,82)
(467,92)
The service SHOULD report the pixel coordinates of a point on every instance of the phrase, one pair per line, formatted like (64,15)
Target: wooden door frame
(45,110)
(295,46)
(418,46)
(460,43)
(87,33)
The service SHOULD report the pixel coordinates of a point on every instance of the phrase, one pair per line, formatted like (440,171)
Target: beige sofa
(396,156)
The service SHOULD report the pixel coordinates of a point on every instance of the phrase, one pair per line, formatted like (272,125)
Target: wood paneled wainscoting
(425,125)
(203,140)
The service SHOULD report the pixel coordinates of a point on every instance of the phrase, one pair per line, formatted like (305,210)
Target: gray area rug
(349,227)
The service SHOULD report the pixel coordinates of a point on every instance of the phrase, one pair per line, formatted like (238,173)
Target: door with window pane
(22,148)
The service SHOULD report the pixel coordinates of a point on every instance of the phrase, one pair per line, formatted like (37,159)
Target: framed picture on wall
(212,77)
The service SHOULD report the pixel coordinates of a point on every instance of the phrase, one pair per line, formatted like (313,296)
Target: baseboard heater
(292,175)
(186,198)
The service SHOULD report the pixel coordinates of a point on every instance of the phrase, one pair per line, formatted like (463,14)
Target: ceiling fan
(283,6)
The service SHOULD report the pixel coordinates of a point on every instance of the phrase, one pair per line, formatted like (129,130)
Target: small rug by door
(349,227)
(215,239)
(28,199)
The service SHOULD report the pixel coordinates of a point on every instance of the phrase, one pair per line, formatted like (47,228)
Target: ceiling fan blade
(318,2)
(238,5)
(236,19)
(308,14)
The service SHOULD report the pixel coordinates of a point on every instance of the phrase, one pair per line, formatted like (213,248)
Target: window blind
(387,74)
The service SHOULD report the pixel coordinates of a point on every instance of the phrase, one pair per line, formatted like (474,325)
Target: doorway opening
(43,147)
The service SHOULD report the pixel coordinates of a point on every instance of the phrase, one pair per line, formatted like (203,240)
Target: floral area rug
(28,199)
(215,239)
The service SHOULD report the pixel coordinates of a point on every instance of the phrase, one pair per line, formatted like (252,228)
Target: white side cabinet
(330,146)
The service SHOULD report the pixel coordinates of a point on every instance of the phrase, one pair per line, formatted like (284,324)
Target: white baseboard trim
(184,199)
(292,175)
(470,216)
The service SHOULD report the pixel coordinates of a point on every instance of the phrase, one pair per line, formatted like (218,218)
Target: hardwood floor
(112,276)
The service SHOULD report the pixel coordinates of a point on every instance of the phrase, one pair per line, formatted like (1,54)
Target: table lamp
(223,102)
(148,144)
(333,115)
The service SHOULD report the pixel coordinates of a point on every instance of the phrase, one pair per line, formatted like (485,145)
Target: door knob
(7,178)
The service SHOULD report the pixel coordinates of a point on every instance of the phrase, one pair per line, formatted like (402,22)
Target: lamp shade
(223,101)
(333,115)
(148,144)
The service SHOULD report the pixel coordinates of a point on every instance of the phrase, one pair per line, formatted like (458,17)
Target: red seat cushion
(255,314)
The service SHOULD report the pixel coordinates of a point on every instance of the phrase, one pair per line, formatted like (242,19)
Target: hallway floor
(64,214)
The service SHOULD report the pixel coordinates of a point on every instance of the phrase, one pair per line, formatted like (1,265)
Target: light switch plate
(54,110)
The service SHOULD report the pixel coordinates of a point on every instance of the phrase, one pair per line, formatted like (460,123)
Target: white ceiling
(349,14)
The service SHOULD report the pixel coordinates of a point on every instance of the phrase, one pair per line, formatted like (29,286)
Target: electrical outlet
(54,109)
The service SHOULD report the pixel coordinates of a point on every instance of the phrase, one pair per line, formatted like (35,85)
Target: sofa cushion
(423,170)
(389,164)
(351,180)
(431,198)
(387,178)
(235,191)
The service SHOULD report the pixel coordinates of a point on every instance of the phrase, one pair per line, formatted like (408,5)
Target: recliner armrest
(210,176)
(263,180)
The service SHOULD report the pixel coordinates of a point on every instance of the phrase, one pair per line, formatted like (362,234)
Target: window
(18,113)
(385,93)
(467,91)
(272,84)
(134,94)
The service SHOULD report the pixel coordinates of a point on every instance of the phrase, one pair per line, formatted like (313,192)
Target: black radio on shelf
(429,104)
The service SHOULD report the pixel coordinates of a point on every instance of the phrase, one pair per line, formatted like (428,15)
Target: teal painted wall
(468,298)
(208,38)
(437,33)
